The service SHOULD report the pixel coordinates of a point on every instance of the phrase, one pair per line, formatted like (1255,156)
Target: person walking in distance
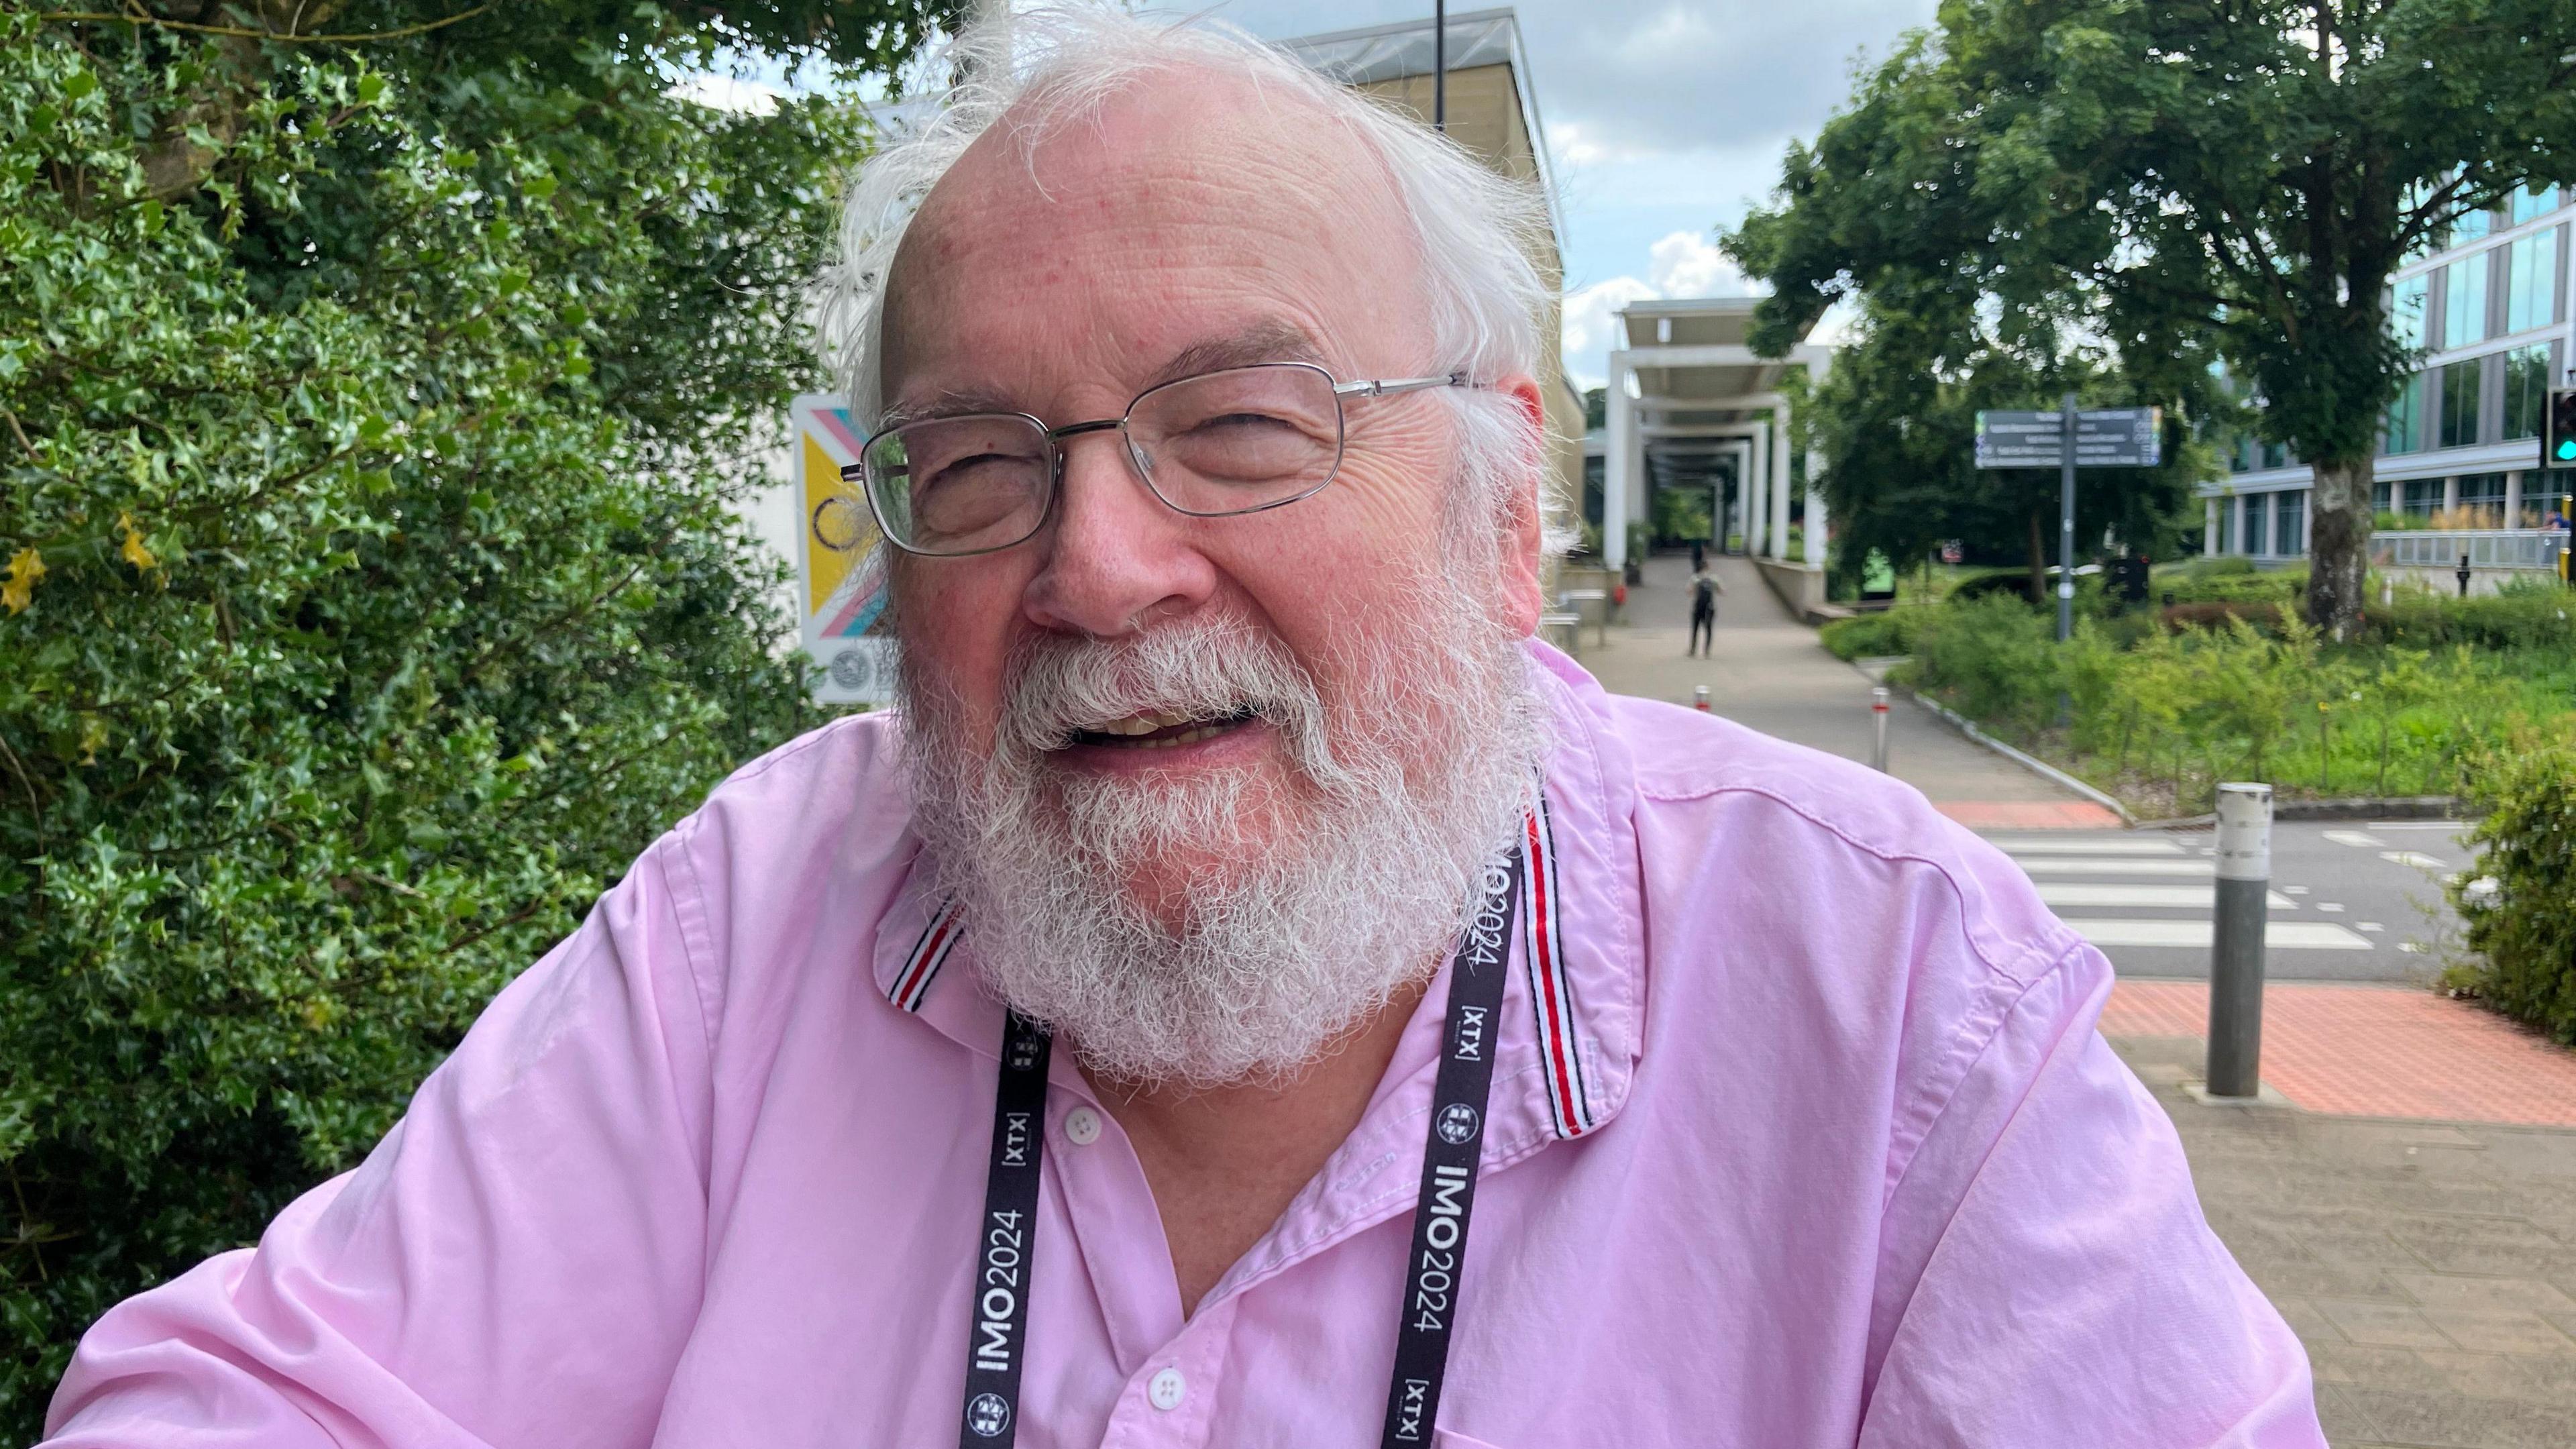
(1704,591)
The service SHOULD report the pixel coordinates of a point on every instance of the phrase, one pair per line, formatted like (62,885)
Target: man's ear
(1524,522)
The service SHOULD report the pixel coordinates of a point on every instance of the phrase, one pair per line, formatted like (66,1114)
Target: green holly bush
(376,385)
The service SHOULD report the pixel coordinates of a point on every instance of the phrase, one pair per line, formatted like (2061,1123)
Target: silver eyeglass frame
(855,474)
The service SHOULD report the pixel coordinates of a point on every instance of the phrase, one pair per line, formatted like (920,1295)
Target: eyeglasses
(1235,441)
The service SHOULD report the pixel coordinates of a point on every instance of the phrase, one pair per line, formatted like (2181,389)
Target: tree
(2252,169)
(1896,420)
(370,413)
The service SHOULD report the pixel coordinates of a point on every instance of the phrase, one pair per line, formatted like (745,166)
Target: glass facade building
(2487,309)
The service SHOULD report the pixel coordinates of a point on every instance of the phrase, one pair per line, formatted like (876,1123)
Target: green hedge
(2534,613)
(2520,898)
(1876,636)
(2159,715)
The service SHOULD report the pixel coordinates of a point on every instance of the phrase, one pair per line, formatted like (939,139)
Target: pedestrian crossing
(2158,891)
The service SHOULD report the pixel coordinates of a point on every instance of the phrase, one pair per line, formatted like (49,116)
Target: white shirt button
(1167,1389)
(1082,1126)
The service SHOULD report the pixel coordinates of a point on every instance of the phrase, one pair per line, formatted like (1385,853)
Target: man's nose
(1116,557)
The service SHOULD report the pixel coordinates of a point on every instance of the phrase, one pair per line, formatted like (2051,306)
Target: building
(2459,450)
(1492,113)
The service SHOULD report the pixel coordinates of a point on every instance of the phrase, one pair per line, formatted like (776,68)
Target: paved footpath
(2407,1193)
(1765,670)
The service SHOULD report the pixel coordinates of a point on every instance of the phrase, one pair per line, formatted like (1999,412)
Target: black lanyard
(997,1331)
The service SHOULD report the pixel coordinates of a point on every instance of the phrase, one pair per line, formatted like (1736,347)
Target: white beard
(1302,910)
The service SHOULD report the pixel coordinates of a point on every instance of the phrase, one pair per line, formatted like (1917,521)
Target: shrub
(2283,587)
(2220,615)
(372,590)
(1993,657)
(2520,898)
(2533,613)
(1875,636)
(2217,566)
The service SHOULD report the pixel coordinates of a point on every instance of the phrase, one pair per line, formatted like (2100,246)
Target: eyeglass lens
(1221,443)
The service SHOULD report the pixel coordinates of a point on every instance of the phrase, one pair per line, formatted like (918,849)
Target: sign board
(2104,438)
(840,562)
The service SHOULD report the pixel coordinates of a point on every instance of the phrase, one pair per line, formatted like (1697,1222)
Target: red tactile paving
(2372,1051)
(2028,814)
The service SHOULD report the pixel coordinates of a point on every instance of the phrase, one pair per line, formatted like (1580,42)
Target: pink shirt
(1800,1135)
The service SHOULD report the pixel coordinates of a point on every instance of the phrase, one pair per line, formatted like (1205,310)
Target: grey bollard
(1878,723)
(2236,943)
(1699,698)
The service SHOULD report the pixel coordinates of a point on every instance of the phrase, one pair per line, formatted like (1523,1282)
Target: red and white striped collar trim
(1556,1015)
(1551,985)
(929,953)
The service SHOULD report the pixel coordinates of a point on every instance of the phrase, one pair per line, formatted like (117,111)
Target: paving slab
(2429,1266)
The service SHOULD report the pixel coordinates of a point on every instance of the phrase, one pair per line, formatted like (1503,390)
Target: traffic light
(2558,440)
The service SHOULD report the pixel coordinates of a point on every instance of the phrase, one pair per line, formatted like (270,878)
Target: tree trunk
(2339,545)
(2038,561)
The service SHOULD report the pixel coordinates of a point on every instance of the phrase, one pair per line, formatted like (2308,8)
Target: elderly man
(1250,995)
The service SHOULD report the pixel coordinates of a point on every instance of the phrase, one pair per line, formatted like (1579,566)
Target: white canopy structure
(1685,382)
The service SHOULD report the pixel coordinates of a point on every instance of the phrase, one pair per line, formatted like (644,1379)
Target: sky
(1665,121)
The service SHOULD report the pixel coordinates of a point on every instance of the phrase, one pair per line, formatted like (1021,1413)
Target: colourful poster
(841,560)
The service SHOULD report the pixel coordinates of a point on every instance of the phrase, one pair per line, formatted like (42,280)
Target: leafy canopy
(370,417)
(2247,169)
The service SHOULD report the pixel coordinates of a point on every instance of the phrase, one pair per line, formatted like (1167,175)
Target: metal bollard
(1878,723)
(2236,945)
(1699,698)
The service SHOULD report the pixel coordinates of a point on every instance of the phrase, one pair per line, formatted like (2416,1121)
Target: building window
(2404,428)
(2276,455)
(2464,301)
(2423,497)
(2258,513)
(2526,390)
(2227,525)
(2529,203)
(2471,226)
(2289,522)
(2531,281)
(2460,403)
(2406,309)
(2381,491)
(2481,501)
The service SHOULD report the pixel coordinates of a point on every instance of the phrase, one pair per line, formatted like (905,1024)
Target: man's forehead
(1269,339)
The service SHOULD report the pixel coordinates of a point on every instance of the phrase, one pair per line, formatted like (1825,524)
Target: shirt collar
(1581,946)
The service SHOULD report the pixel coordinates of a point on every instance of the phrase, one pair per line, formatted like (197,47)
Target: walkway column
(1740,513)
(1757,492)
(1776,436)
(1819,540)
(2209,530)
(1619,464)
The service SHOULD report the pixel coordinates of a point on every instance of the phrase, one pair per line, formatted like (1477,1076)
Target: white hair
(1041,69)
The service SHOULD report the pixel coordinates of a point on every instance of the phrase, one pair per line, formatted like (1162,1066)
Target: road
(2351,901)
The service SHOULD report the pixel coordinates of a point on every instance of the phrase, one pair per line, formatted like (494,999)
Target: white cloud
(1683,264)
(728,93)
(1590,320)
(1686,264)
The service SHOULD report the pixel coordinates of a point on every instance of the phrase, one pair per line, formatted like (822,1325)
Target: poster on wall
(840,562)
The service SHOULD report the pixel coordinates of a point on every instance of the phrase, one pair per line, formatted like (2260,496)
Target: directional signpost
(2104,438)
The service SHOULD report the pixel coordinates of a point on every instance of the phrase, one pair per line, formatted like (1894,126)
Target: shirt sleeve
(517,1263)
(2047,1278)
